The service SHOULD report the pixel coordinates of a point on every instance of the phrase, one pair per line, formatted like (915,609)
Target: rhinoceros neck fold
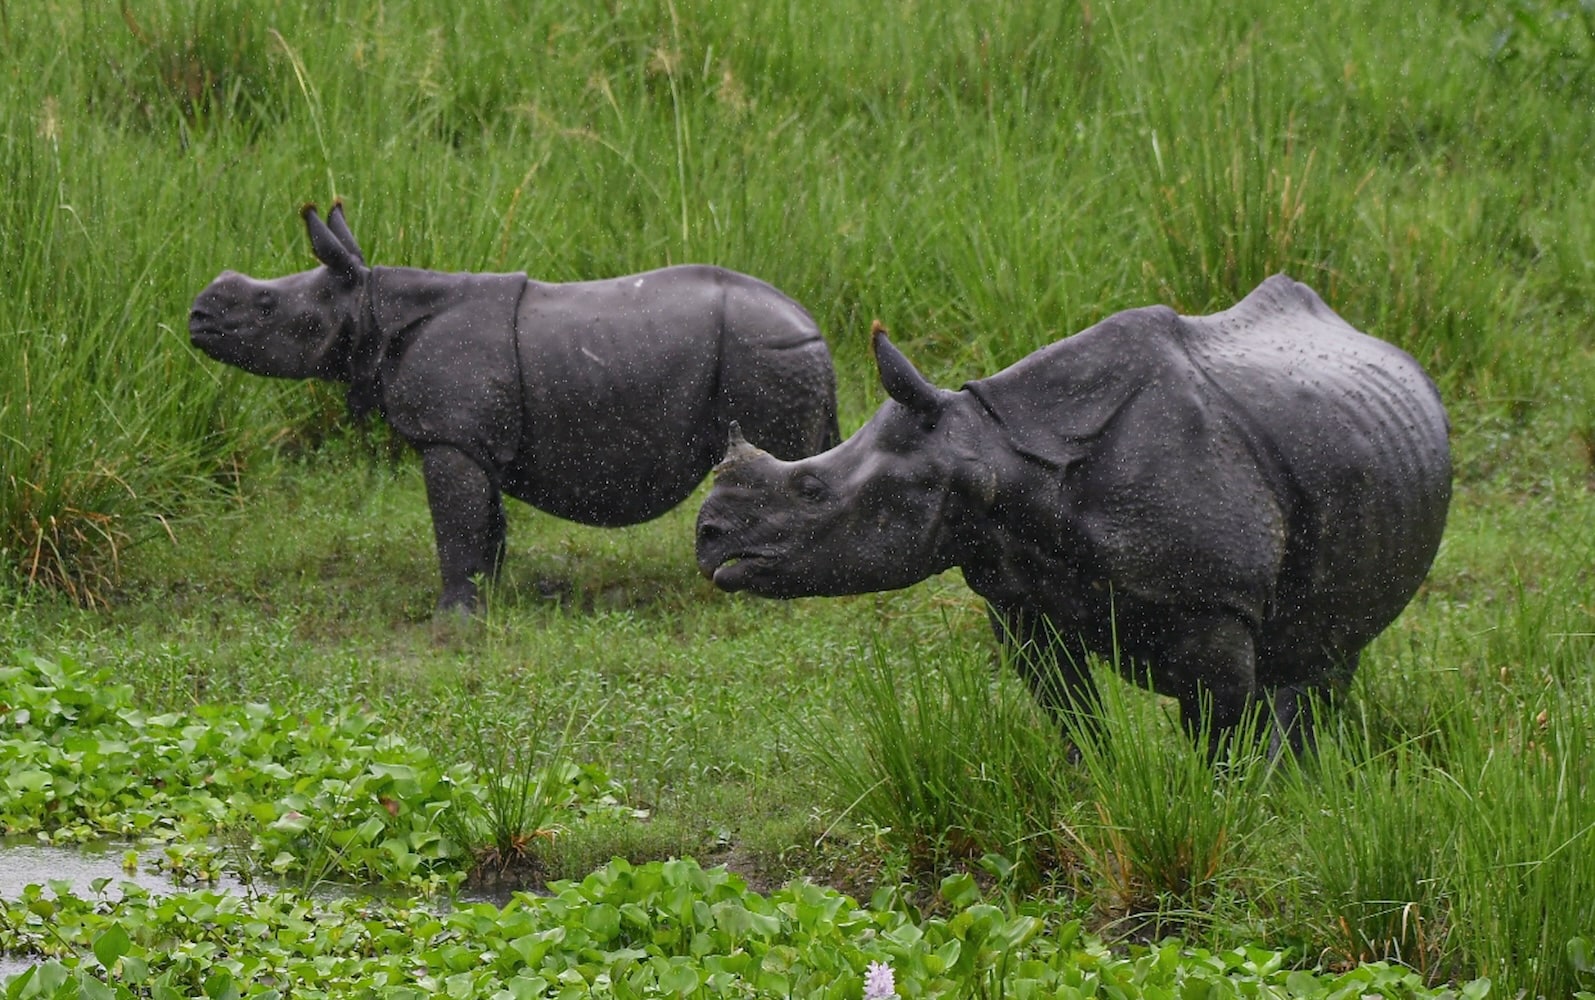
(440,360)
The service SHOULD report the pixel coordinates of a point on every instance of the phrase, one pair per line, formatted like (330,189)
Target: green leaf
(370,830)
(678,978)
(1303,984)
(292,822)
(1581,954)
(111,945)
(944,958)
(604,921)
(960,890)
(219,985)
(526,987)
(52,976)
(19,986)
(90,988)
(134,969)
(28,781)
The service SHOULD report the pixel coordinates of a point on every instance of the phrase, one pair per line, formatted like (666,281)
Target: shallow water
(26,862)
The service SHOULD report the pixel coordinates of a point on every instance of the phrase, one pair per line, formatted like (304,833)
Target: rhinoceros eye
(265,303)
(808,486)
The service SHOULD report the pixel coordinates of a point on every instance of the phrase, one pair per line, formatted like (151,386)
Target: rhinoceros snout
(206,318)
(202,326)
(708,542)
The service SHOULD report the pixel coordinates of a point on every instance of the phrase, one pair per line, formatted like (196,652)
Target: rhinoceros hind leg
(467,523)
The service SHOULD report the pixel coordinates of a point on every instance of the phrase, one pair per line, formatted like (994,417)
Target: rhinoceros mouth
(204,329)
(207,338)
(734,570)
(200,336)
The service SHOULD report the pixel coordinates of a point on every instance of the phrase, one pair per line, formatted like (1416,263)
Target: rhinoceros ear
(328,248)
(340,229)
(901,379)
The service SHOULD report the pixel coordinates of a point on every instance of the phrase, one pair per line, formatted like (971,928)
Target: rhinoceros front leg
(1296,708)
(467,522)
(1056,669)
(1210,666)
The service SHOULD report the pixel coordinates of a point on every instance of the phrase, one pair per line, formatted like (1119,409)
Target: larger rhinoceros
(602,402)
(1232,505)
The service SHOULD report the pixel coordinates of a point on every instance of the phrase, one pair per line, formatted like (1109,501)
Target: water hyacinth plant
(660,929)
(306,799)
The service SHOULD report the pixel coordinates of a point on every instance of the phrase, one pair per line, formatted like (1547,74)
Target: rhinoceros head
(883,509)
(298,326)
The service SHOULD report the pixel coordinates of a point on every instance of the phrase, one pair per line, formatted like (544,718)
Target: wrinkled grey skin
(603,402)
(1237,503)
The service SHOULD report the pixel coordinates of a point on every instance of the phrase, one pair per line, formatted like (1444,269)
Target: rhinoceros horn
(738,451)
(328,247)
(901,379)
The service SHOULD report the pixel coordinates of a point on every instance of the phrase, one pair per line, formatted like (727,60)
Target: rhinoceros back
(631,383)
(776,378)
(1269,460)
(1354,436)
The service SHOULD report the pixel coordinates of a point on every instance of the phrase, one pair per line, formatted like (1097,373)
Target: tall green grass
(1376,835)
(943,758)
(984,181)
(104,419)
(1462,851)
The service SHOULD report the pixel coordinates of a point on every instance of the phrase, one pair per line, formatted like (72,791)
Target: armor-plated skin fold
(603,402)
(1232,506)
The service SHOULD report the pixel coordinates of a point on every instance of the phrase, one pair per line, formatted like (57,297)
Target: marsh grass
(1167,832)
(943,756)
(1526,833)
(89,422)
(1376,832)
(534,786)
(950,760)
(188,65)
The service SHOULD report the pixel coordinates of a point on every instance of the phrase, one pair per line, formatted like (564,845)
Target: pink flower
(878,982)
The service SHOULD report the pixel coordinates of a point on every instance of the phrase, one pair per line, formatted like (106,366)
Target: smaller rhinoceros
(602,402)
(1232,505)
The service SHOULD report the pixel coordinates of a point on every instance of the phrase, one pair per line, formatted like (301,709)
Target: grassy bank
(983,181)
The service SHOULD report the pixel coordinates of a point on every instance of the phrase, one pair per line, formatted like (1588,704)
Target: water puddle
(25,862)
